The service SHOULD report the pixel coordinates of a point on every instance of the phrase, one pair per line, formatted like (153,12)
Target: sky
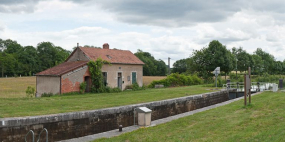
(164,28)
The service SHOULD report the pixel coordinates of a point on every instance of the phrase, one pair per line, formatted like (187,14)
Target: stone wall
(78,124)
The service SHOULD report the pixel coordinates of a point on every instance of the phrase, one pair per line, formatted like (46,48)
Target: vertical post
(216,77)
(168,65)
(244,89)
(249,92)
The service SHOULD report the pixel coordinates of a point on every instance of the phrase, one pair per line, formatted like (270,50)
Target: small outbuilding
(125,69)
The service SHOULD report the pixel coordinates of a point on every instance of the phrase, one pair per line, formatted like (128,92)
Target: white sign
(217,71)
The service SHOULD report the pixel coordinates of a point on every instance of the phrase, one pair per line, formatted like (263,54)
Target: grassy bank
(262,121)
(14,107)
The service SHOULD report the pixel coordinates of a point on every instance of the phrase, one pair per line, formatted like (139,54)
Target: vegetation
(152,67)
(16,60)
(261,121)
(82,87)
(176,79)
(15,87)
(97,76)
(135,87)
(47,94)
(148,79)
(204,61)
(30,92)
(14,107)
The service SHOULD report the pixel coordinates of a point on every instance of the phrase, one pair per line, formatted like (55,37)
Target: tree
(215,55)
(181,66)
(152,67)
(268,60)
(243,59)
(50,55)
(257,64)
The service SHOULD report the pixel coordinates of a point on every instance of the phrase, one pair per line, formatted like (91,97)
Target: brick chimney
(105,46)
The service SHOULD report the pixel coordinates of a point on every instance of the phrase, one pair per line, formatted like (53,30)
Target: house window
(105,78)
(129,78)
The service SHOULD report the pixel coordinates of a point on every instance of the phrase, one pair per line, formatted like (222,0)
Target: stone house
(124,69)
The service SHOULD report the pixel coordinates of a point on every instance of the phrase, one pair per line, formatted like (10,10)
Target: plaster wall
(78,55)
(48,84)
(126,70)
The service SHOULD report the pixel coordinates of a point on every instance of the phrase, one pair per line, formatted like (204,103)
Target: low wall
(78,124)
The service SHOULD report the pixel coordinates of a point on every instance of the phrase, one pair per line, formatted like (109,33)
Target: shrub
(30,92)
(115,90)
(176,79)
(82,87)
(47,94)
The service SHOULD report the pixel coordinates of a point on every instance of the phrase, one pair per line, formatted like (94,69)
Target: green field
(264,120)
(15,87)
(14,107)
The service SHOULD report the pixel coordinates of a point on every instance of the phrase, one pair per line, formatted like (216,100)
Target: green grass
(15,107)
(264,120)
(15,87)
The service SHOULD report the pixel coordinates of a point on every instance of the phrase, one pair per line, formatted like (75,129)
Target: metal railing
(33,135)
(41,133)
(255,86)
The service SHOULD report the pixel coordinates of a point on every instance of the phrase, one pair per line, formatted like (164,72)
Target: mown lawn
(264,120)
(14,107)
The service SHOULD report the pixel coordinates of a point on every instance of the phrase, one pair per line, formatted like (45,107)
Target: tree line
(204,61)
(16,60)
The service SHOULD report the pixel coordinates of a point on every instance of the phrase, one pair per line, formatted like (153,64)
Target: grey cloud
(167,13)
(17,6)
(170,13)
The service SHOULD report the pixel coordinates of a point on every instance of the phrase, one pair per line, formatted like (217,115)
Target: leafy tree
(181,66)
(152,67)
(50,55)
(243,59)
(268,60)
(8,63)
(215,55)
(257,64)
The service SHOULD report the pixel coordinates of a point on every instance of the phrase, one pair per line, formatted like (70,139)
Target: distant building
(125,69)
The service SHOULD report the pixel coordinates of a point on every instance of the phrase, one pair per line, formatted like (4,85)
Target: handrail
(41,133)
(254,85)
(33,135)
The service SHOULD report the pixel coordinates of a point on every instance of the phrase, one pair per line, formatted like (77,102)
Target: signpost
(216,72)
(247,87)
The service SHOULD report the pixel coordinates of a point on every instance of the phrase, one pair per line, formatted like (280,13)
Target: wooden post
(249,92)
(244,89)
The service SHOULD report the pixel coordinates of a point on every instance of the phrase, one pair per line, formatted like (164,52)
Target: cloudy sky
(165,28)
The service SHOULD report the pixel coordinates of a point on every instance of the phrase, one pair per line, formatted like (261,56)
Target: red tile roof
(112,55)
(62,68)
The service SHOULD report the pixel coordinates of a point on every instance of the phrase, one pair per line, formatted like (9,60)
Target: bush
(47,94)
(30,92)
(176,79)
(82,87)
